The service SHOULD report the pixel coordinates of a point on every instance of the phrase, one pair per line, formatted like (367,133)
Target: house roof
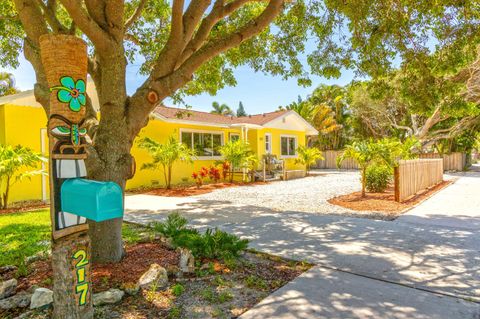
(270,119)
(198,116)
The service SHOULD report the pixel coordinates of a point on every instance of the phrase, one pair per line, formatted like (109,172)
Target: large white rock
(7,288)
(156,276)
(187,262)
(20,300)
(42,297)
(110,296)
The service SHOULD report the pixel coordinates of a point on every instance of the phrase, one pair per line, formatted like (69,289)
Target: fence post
(396,178)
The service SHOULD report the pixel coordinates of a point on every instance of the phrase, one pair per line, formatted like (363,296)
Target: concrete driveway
(365,268)
(456,206)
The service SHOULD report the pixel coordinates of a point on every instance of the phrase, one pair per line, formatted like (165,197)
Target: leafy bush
(213,244)
(378,177)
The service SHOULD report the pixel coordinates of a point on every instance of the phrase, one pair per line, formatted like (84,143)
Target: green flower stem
(60,88)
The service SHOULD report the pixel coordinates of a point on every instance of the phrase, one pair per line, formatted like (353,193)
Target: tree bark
(364,181)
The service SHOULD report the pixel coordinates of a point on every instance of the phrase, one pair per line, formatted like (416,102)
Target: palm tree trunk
(169,176)
(165,176)
(364,180)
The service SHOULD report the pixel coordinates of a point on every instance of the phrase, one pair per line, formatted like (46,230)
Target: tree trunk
(364,181)
(5,195)
(169,177)
(111,160)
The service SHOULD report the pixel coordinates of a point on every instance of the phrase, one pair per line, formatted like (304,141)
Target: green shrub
(213,244)
(378,177)
(178,290)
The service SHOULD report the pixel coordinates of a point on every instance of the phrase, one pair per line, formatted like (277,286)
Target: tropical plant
(199,176)
(305,109)
(13,162)
(239,155)
(378,177)
(308,156)
(7,84)
(222,109)
(364,153)
(165,155)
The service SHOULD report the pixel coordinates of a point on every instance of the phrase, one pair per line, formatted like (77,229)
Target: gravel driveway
(308,194)
(234,204)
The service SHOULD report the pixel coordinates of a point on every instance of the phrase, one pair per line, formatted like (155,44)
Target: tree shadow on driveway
(438,259)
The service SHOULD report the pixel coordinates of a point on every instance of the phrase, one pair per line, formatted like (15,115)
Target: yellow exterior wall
(276,136)
(22,125)
(182,171)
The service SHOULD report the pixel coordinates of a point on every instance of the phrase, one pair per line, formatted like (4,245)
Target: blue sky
(258,92)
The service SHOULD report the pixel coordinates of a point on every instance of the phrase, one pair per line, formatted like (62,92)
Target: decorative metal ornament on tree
(64,60)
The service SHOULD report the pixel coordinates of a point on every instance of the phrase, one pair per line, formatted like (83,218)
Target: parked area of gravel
(307,195)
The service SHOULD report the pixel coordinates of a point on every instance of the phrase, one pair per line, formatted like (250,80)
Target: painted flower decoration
(71,92)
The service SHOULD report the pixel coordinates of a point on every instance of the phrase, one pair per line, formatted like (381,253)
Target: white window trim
(270,149)
(204,158)
(296,146)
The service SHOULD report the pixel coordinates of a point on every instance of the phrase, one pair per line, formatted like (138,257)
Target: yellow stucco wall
(24,125)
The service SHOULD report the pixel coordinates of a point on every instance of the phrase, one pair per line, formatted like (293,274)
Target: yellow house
(23,121)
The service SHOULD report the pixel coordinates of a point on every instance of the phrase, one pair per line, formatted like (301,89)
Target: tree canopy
(193,47)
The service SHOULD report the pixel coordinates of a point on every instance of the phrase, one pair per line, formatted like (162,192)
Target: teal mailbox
(94,200)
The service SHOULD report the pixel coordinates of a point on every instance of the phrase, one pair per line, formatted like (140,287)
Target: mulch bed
(191,190)
(24,207)
(384,203)
(241,285)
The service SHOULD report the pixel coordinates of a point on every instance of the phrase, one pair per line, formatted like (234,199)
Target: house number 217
(82,285)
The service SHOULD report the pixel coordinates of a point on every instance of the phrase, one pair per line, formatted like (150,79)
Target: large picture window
(204,144)
(288,145)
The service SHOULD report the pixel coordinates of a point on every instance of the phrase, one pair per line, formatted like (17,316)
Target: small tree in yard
(238,154)
(165,155)
(12,160)
(365,153)
(308,156)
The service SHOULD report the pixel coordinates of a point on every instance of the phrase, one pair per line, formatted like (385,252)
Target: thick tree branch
(50,17)
(136,14)
(218,12)
(100,38)
(192,17)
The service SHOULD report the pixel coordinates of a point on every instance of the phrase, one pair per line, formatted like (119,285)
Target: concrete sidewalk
(330,294)
(457,206)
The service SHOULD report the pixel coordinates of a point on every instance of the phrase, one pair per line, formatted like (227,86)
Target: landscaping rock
(156,276)
(108,297)
(131,289)
(41,298)
(8,268)
(20,300)
(187,261)
(7,288)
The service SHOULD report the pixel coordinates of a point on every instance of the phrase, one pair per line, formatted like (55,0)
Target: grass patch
(22,234)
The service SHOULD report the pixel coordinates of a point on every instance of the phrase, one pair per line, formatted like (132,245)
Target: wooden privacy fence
(330,161)
(451,162)
(412,176)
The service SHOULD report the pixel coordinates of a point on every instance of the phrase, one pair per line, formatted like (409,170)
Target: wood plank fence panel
(330,161)
(451,162)
(412,176)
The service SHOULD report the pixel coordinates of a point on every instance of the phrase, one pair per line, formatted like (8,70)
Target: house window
(234,137)
(288,145)
(204,144)
(268,143)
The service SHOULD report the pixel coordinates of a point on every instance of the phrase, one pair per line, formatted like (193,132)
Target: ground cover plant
(226,282)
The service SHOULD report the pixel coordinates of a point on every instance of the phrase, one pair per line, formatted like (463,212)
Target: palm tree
(308,157)
(165,155)
(239,155)
(305,109)
(12,160)
(222,109)
(7,84)
(364,153)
